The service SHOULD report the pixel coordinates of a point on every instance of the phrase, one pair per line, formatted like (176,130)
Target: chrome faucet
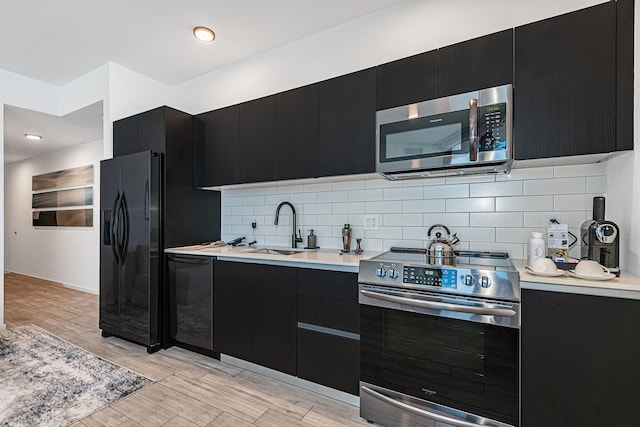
(295,239)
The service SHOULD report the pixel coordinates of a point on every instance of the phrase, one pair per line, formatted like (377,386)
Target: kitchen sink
(273,251)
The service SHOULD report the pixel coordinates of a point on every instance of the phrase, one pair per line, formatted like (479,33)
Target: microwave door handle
(435,305)
(473,130)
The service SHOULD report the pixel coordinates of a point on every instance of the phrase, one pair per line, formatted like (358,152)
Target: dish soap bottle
(536,248)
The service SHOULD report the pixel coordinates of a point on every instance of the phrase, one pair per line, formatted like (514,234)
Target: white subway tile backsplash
(383,207)
(524,203)
(580,170)
(475,234)
(333,197)
(507,188)
(348,208)
(402,193)
(596,184)
(575,185)
(304,198)
(496,219)
(574,202)
(480,204)
(348,185)
(422,206)
(407,220)
(384,233)
(365,195)
(527,173)
(490,212)
(446,191)
(316,188)
(449,219)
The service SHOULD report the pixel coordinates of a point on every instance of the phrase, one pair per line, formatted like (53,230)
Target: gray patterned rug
(46,381)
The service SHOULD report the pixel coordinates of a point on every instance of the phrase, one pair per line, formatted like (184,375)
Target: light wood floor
(190,389)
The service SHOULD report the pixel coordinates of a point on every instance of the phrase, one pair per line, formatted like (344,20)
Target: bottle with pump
(536,248)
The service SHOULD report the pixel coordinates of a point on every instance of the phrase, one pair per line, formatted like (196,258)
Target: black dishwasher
(191,301)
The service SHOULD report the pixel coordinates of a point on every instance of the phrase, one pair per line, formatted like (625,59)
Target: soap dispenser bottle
(311,240)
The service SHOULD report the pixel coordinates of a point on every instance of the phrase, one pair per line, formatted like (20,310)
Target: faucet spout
(295,239)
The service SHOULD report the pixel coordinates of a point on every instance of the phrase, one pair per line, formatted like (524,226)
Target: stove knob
(393,273)
(485,282)
(468,280)
(381,272)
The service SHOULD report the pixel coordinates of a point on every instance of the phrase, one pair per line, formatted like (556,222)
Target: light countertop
(625,286)
(322,259)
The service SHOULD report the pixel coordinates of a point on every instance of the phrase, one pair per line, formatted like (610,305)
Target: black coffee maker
(601,239)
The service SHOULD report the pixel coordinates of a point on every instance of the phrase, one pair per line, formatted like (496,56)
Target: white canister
(536,248)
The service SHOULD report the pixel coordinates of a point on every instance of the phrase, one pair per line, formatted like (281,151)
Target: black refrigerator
(131,248)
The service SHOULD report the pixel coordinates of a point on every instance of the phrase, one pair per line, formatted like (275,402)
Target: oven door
(426,357)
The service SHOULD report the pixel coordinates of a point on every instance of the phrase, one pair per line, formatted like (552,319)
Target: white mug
(591,268)
(544,265)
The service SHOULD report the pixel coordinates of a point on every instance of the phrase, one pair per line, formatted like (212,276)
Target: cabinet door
(151,130)
(296,154)
(408,80)
(274,311)
(624,74)
(258,140)
(125,136)
(579,360)
(565,84)
(191,300)
(233,310)
(476,64)
(216,151)
(347,121)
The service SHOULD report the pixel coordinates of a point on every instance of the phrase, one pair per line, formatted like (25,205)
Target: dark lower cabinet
(329,329)
(255,313)
(565,84)
(579,360)
(190,283)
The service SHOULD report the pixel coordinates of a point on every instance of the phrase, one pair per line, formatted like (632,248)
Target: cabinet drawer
(340,315)
(328,284)
(330,360)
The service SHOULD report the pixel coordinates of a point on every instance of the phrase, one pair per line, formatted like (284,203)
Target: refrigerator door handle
(146,200)
(114,228)
(126,227)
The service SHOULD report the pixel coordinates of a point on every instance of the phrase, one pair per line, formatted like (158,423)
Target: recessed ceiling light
(32,136)
(204,34)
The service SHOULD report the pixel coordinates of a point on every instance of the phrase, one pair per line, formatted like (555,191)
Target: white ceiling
(81,126)
(58,41)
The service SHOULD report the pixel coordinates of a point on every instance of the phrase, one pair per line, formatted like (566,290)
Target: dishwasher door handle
(418,411)
(436,305)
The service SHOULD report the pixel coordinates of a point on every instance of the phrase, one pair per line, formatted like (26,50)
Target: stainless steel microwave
(460,134)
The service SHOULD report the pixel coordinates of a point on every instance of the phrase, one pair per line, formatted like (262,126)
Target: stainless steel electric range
(439,343)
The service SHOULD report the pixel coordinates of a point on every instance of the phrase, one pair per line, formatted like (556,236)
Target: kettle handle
(438,225)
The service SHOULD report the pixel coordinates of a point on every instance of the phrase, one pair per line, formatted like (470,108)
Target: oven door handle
(417,411)
(434,305)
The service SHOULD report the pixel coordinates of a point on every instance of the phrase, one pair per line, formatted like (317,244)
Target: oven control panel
(442,278)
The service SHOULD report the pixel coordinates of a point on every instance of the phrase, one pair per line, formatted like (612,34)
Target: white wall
(68,255)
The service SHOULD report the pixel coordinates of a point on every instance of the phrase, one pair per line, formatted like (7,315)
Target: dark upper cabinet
(624,62)
(565,84)
(346,124)
(408,80)
(579,360)
(171,132)
(125,136)
(257,144)
(476,64)
(296,148)
(217,148)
